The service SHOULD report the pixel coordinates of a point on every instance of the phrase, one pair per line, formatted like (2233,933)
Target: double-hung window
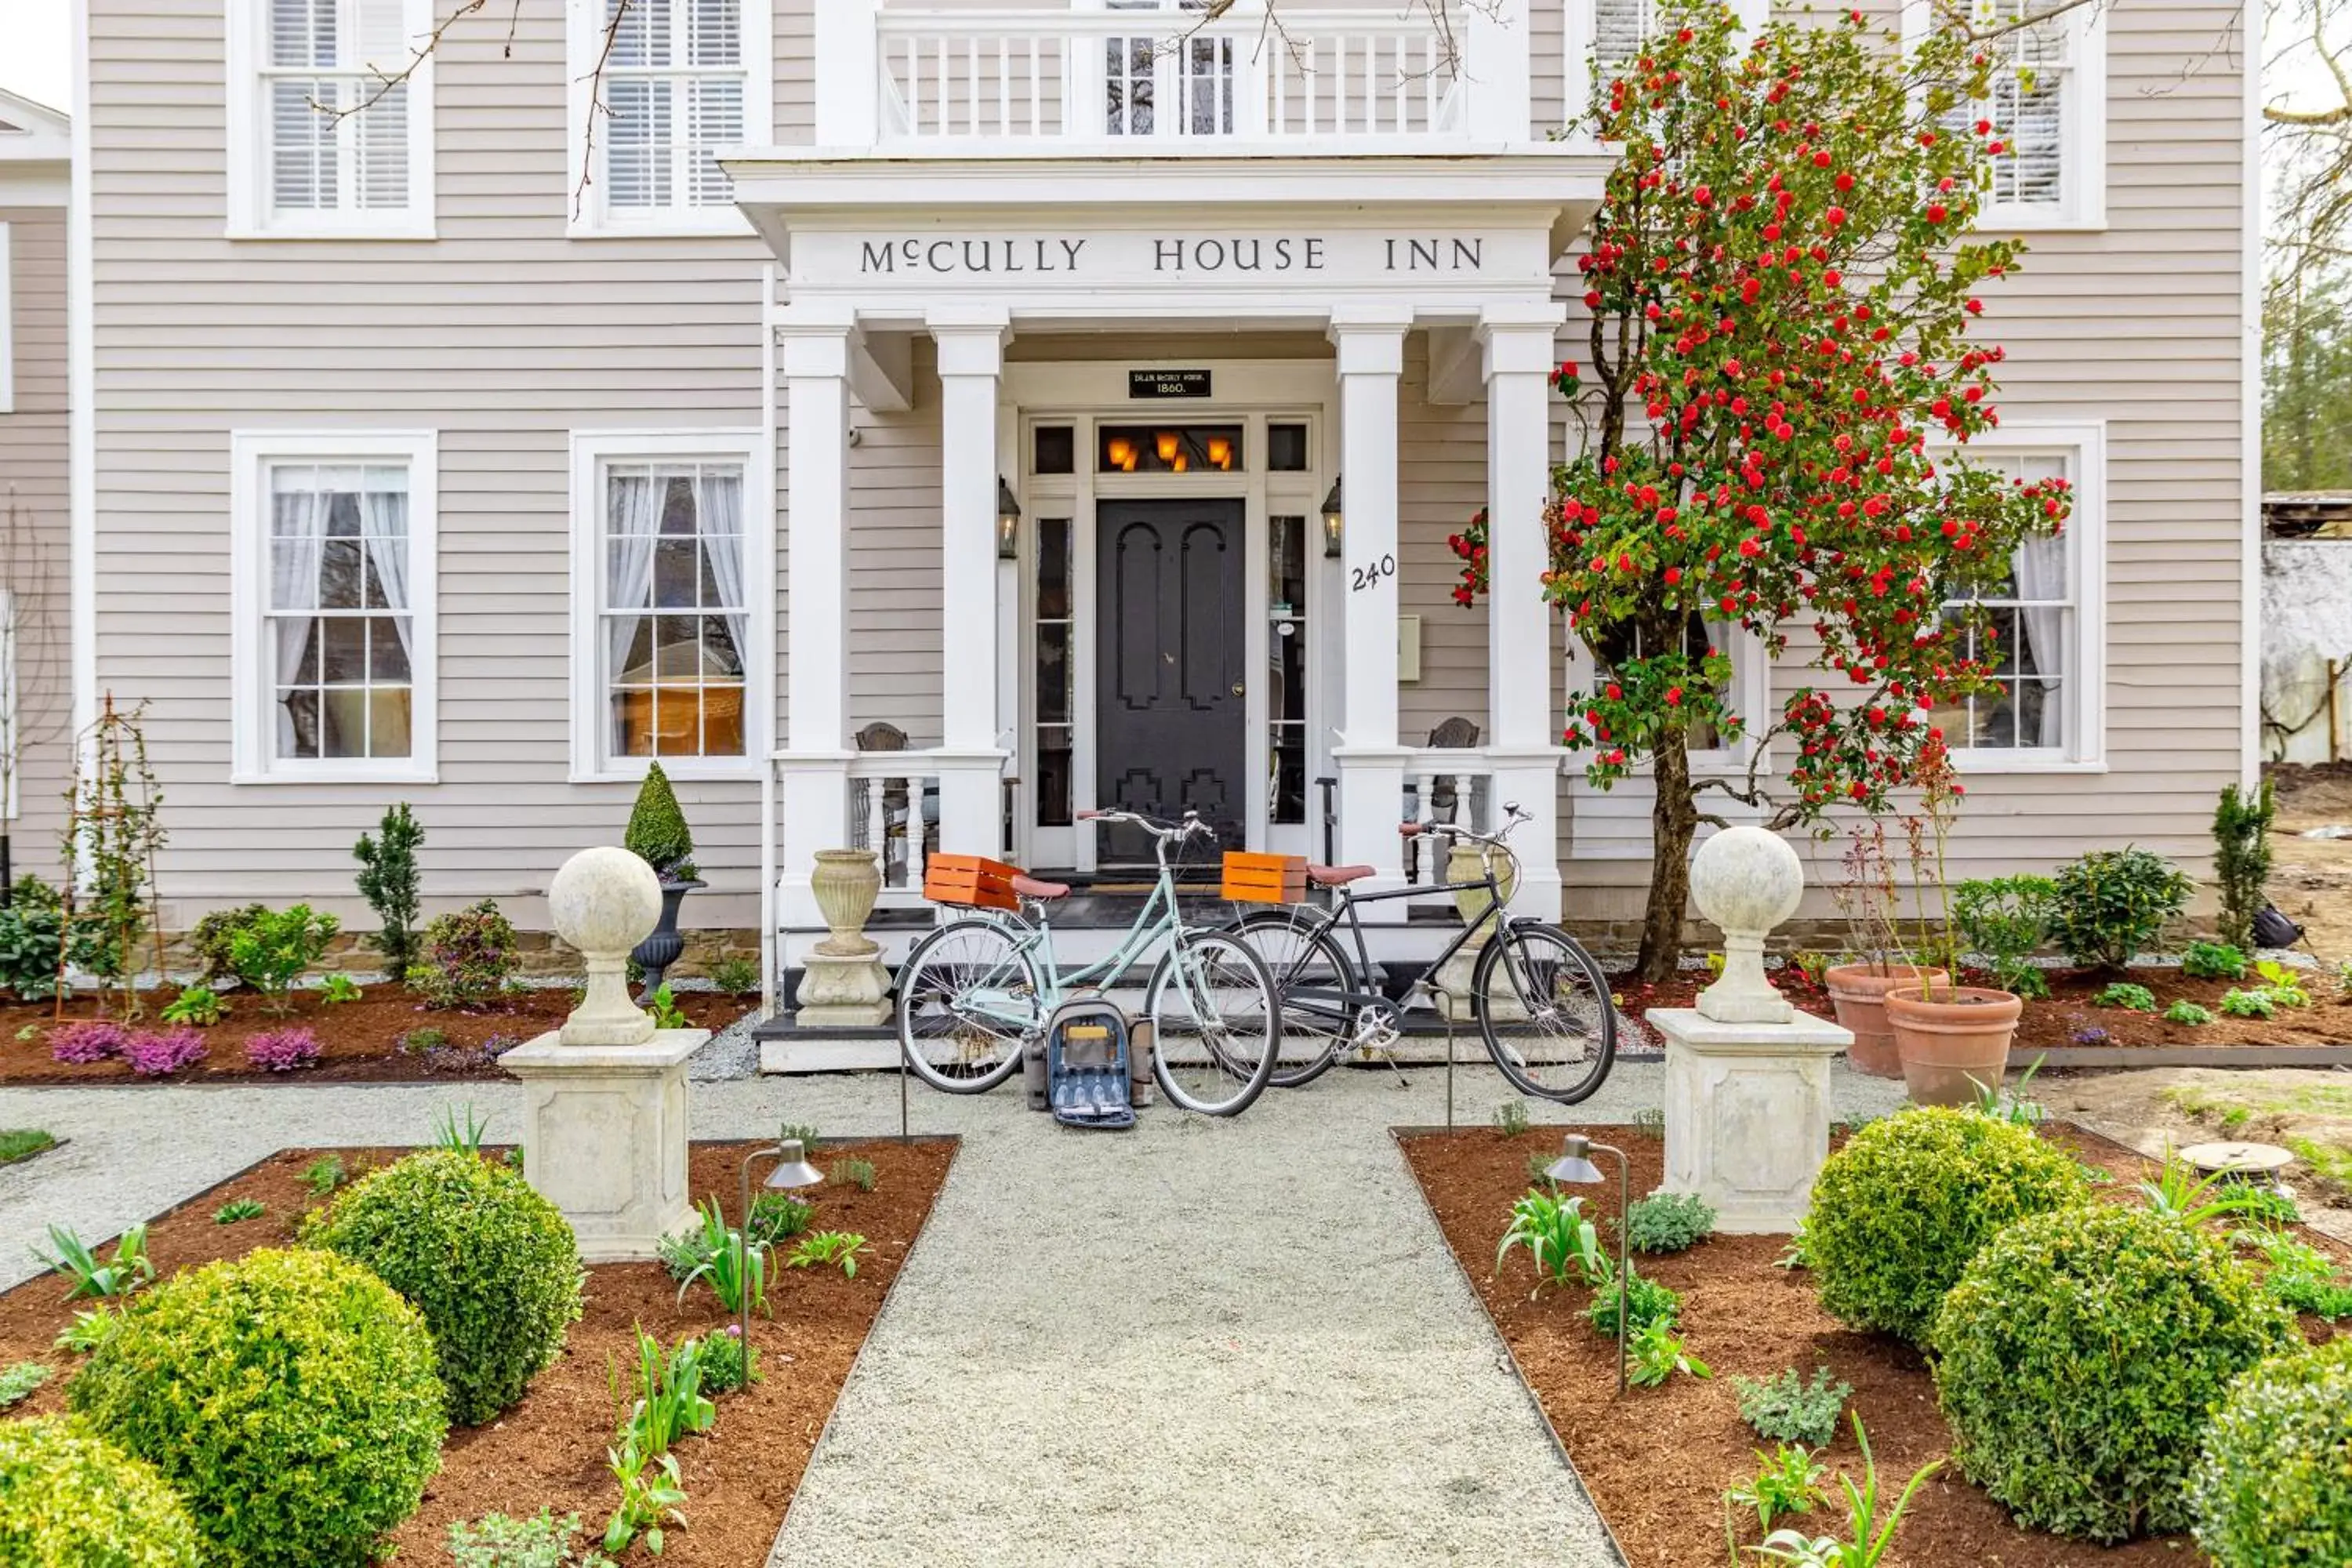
(1743,694)
(669,559)
(330,130)
(2047,106)
(677,81)
(333,598)
(1602,36)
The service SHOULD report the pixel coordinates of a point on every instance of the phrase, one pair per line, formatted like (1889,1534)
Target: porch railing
(894,811)
(1444,784)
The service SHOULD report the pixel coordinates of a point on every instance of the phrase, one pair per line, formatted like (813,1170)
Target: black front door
(1169,726)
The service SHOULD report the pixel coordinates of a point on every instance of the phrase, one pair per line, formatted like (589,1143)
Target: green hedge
(69,1499)
(493,1267)
(289,1397)
(2273,1487)
(2081,1356)
(1899,1211)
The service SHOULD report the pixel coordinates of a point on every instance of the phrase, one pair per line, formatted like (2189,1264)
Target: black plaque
(1162,383)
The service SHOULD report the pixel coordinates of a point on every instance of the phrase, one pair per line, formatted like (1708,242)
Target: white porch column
(812,792)
(971,754)
(1520,353)
(1498,58)
(1370,762)
(849,73)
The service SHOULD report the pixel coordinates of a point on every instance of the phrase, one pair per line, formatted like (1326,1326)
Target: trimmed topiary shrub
(2080,1357)
(289,1397)
(657,833)
(1899,1211)
(69,1499)
(2273,1487)
(491,1264)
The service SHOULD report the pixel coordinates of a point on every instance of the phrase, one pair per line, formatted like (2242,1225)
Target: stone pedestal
(603,1137)
(1748,1114)
(842,991)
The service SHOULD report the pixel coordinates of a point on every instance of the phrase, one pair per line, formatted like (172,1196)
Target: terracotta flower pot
(1952,1039)
(1857,989)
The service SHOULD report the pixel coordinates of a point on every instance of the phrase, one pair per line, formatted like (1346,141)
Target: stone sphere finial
(604,902)
(1746,882)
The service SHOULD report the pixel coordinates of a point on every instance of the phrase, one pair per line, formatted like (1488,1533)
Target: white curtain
(385,525)
(297,538)
(633,514)
(2041,575)
(719,519)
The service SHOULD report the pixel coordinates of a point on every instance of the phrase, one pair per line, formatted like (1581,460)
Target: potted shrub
(658,836)
(1858,991)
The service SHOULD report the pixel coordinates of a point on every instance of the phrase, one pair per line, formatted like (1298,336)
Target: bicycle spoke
(967,1002)
(1544,1011)
(1215,1020)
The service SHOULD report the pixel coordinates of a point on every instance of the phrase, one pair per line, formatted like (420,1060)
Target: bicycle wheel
(1313,979)
(1216,1025)
(1544,1011)
(968,1002)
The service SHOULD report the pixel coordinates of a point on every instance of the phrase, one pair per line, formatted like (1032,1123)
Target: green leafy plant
(324,1174)
(23,1142)
(492,1267)
(33,927)
(337,989)
(2283,985)
(18,1382)
(89,1279)
(391,884)
(2125,995)
(663,1005)
(2079,1355)
(1656,1352)
(1787,1409)
(69,1498)
(1900,1209)
(210,941)
(2179,1191)
(1646,1301)
(726,1366)
(2113,903)
(1866,1541)
(239,1210)
(1789,1482)
(1812,968)
(418,1041)
(2213,960)
(198,1004)
(1511,1118)
(291,1397)
(2186,1012)
(852,1171)
(2012,1105)
(1650,1123)
(1668,1222)
(1564,1246)
(460,1137)
(652,1495)
(734,976)
(2241,858)
(2243,1003)
(2007,919)
(2298,1275)
(670,1403)
(88,1331)
(732,1268)
(274,949)
(113,835)
(777,1217)
(657,833)
(469,958)
(803,1131)
(1799,1254)
(821,1247)
(2270,1488)
(496,1540)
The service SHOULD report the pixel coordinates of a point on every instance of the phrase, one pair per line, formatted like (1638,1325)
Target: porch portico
(1108,259)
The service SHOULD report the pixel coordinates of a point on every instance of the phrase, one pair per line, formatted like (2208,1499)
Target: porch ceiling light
(1008,521)
(1167,441)
(1334,520)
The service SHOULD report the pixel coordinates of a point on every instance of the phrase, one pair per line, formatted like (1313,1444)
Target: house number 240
(1369,576)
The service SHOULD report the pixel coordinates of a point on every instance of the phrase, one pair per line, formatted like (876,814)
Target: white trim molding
(252,211)
(8,327)
(589,214)
(251,703)
(2081,205)
(592,451)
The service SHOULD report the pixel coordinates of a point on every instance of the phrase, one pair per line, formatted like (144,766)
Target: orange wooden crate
(1252,879)
(974,882)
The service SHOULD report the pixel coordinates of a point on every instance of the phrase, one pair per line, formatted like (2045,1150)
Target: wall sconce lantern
(1334,519)
(1008,521)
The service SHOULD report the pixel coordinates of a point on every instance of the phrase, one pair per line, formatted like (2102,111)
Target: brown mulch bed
(1657,1464)
(358,1041)
(550,1450)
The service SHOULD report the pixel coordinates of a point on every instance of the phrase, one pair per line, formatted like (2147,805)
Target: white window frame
(8,327)
(592,452)
(2085,747)
(2083,162)
(588,217)
(1579,38)
(251,215)
(1751,695)
(252,711)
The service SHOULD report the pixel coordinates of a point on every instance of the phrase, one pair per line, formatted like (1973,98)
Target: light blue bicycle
(977,990)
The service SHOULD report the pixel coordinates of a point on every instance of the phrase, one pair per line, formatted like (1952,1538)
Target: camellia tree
(1780,392)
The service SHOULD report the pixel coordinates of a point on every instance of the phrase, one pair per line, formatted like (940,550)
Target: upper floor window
(333,604)
(2046,105)
(327,136)
(1602,36)
(679,81)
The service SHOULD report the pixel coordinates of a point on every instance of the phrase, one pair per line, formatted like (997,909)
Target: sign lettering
(1168,384)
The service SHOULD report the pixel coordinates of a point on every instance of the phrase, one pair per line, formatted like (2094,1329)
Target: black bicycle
(1541,1002)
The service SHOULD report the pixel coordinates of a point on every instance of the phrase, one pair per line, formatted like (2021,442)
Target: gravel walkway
(1199,1342)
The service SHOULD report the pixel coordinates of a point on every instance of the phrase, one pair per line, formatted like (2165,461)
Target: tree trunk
(1674,819)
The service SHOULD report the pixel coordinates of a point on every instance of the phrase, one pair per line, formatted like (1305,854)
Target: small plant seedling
(828,1247)
(734,976)
(460,1137)
(238,1210)
(651,1493)
(851,1171)
(338,988)
(88,1331)
(2179,1193)
(2285,985)
(1565,1245)
(496,1540)
(1812,968)
(2125,995)
(1668,1222)
(1787,1409)
(2012,1105)
(1799,1254)
(1789,1482)
(23,1142)
(1651,1122)
(324,1175)
(1540,1164)
(2213,960)
(803,1131)
(418,1041)
(1656,1353)
(1511,1118)
(1647,1302)
(78,1261)
(18,1382)
(668,1013)
(2243,1003)
(719,1255)
(2186,1012)
(198,1004)
(777,1216)
(1867,1542)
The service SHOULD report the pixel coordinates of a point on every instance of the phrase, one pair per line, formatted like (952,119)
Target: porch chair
(898,799)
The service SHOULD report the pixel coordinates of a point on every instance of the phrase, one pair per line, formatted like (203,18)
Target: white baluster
(972,84)
(1308,80)
(1404,82)
(1036,89)
(877,830)
(940,58)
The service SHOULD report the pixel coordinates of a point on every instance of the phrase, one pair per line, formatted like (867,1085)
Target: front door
(1173,634)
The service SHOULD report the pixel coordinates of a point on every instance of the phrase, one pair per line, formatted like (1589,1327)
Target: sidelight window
(1055,629)
(1286,644)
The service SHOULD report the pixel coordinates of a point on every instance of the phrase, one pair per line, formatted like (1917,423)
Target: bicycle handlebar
(1513,815)
(1191,827)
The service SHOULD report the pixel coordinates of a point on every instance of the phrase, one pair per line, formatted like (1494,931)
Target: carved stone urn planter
(1952,1038)
(845,883)
(842,983)
(1858,991)
(659,950)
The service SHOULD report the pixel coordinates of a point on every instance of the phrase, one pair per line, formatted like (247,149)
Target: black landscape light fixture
(1008,521)
(1334,520)
(793,1172)
(1575,1164)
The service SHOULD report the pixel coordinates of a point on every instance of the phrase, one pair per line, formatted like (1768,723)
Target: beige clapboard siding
(32,483)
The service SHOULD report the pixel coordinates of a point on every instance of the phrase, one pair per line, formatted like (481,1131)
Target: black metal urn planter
(658,834)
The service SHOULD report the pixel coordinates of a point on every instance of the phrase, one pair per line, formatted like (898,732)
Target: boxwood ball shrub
(69,1499)
(1899,1211)
(2081,1354)
(2273,1487)
(491,1265)
(290,1397)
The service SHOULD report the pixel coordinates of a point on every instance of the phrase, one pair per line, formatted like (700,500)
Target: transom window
(674,610)
(330,130)
(2028,631)
(1170,449)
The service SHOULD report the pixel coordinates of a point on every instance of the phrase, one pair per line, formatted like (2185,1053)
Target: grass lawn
(22,1143)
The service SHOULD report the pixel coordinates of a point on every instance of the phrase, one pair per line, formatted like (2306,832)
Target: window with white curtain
(681,80)
(1601,36)
(331,131)
(2047,106)
(334,582)
(674,609)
